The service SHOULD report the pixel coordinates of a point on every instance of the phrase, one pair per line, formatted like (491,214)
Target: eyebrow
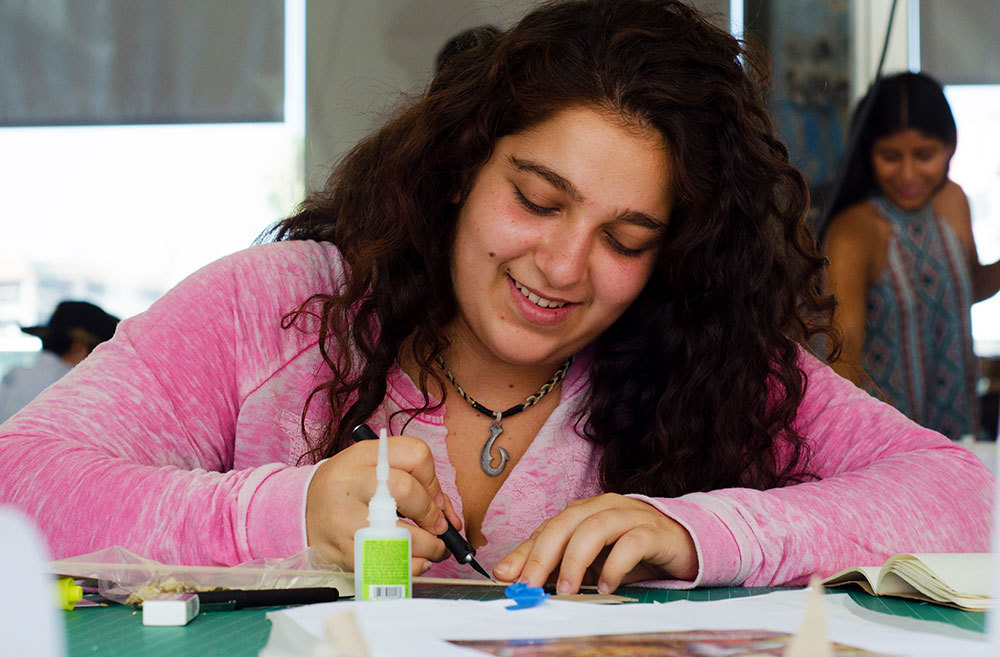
(548,174)
(562,184)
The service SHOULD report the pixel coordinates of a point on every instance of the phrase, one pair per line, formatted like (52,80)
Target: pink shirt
(179,439)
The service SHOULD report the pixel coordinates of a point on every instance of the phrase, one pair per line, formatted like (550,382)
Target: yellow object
(67,593)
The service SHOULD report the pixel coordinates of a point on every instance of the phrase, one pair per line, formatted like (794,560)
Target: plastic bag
(126,577)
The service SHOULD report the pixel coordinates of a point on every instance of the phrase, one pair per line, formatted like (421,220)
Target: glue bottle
(382,549)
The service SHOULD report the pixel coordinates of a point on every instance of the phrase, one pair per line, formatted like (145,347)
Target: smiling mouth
(541,302)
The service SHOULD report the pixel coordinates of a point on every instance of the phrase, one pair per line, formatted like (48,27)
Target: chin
(527,357)
(910,204)
(521,353)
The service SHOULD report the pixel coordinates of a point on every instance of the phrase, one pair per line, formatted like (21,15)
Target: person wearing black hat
(74,330)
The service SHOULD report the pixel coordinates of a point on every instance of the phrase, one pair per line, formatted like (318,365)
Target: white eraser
(170,609)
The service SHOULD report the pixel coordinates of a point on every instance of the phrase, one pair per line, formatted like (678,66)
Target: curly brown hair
(695,385)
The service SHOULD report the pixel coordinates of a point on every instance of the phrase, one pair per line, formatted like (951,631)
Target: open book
(955,580)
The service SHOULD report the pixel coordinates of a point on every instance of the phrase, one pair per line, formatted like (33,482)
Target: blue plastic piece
(524,596)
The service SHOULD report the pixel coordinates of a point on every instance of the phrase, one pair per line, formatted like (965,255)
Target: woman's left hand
(611,537)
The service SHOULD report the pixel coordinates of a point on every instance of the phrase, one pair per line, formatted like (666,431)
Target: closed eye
(532,207)
(622,249)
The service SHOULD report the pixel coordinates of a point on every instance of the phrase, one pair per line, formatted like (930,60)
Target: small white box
(170,609)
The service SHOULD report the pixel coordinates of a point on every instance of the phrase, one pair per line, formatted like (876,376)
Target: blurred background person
(463,41)
(73,331)
(903,261)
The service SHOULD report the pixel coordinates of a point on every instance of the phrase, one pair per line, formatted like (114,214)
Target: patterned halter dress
(918,344)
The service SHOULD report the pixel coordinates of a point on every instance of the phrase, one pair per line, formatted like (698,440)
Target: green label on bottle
(386,569)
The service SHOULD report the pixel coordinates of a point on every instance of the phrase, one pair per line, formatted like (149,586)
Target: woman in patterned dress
(903,260)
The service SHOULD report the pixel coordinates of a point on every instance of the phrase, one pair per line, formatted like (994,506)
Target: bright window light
(116,215)
(976,167)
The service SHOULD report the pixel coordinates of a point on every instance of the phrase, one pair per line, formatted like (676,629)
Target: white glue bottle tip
(382,549)
(382,506)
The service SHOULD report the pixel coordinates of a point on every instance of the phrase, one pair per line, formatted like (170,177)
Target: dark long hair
(898,102)
(692,388)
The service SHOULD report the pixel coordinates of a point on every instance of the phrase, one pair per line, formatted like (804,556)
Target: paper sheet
(420,627)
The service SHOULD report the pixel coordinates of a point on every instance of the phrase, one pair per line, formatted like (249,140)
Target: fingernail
(563,586)
(439,500)
(602,587)
(426,567)
(501,568)
(441,526)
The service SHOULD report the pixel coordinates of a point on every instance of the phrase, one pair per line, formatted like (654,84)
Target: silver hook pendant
(486,456)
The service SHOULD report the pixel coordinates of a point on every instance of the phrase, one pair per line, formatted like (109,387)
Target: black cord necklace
(486,456)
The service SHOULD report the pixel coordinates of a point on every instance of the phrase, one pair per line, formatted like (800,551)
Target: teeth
(541,302)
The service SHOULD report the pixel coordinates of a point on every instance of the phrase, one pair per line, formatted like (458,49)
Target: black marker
(268,597)
(456,544)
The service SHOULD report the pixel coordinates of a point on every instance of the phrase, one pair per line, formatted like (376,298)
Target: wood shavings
(169,585)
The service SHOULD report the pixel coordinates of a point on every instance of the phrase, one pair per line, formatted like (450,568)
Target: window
(118,214)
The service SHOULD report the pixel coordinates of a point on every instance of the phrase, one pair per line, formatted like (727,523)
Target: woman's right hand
(338,495)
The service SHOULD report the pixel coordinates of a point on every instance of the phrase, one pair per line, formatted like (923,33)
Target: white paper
(420,627)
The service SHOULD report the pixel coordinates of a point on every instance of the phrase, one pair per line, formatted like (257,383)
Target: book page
(959,578)
(955,579)
(967,573)
(864,576)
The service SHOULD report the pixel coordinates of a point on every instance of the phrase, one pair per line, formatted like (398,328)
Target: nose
(908,169)
(564,256)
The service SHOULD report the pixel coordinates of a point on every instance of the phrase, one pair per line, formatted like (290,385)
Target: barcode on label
(386,592)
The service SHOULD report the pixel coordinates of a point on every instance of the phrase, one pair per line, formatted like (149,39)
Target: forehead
(585,119)
(909,139)
(596,149)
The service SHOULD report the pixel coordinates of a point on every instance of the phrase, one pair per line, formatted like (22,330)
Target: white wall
(869,19)
(362,53)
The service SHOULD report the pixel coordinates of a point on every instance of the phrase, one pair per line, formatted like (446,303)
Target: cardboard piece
(811,639)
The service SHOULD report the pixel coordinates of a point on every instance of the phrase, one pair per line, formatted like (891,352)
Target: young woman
(572,279)
(903,261)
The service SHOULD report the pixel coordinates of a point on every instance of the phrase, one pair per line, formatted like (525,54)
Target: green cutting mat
(967,620)
(118,631)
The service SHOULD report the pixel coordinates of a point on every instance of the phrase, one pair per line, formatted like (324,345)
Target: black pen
(241,598)
(455,542)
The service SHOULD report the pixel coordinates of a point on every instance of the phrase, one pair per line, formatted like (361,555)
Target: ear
(461,191)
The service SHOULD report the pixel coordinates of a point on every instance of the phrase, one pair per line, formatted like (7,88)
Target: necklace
(496,428)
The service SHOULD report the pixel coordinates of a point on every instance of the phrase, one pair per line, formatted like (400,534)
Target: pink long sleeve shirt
(180,439)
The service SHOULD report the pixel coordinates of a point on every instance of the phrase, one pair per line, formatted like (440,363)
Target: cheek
(881,170)
(936,169)
(490,224)
(475,238)
(620,284)
(503,237)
